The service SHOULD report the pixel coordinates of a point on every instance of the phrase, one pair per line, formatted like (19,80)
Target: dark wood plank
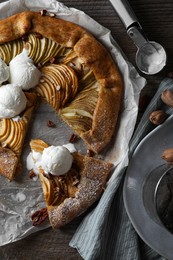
(157,21)
(47,244)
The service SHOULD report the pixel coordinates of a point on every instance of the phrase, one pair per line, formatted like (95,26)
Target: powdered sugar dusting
(92,182)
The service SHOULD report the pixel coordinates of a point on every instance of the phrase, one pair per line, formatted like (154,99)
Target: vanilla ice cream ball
(23,72)
(56,160)
(4,71)
(33,161)
(12,101)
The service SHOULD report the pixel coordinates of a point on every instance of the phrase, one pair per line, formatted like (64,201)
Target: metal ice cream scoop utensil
(150,56)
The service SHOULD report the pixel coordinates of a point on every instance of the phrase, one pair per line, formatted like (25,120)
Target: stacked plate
(147,192)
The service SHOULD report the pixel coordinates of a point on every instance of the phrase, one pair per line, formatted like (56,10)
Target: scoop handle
(129,19)
(125,12)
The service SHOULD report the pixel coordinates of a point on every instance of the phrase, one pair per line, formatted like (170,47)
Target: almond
(168,155)
(158,117)
(167,97)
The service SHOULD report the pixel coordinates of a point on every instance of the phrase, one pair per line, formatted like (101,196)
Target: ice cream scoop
(56,160)
(23,72)
(12,101)
(150,56)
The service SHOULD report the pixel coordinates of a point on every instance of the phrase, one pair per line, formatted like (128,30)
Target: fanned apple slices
(10,50)
(12,134)
(58,85)
(69,195)
(79,114)
(74,98)
(40,49)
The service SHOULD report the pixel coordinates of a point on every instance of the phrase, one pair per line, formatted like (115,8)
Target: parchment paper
(18,199)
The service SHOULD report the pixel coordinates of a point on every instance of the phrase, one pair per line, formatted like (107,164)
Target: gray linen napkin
(109,234)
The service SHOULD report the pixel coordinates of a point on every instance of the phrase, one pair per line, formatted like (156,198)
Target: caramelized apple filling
(79,113)
(57,188)
(58,85)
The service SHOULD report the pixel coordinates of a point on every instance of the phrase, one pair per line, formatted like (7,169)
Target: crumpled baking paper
(18,199)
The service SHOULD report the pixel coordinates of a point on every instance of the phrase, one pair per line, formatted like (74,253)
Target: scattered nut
(43,12)
(39,65)
(73,138)
(32,174)
(39,216)
(50,123)
(52,60)
(168,155)
(167,97)
(158,117)
(38,35)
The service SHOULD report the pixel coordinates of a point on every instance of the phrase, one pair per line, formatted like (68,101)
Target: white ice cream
(56,160)
(23,72)
(12,101)
(33,161)
(70,147)
(4,71)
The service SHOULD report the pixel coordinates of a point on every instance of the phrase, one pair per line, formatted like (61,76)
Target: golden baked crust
(12,135)
(8,163)
(67,196)
(92,53)
(93,175)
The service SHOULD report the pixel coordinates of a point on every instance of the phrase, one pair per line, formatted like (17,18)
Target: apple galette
(73,72)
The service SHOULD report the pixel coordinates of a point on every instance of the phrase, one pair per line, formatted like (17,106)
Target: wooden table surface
(156,18)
